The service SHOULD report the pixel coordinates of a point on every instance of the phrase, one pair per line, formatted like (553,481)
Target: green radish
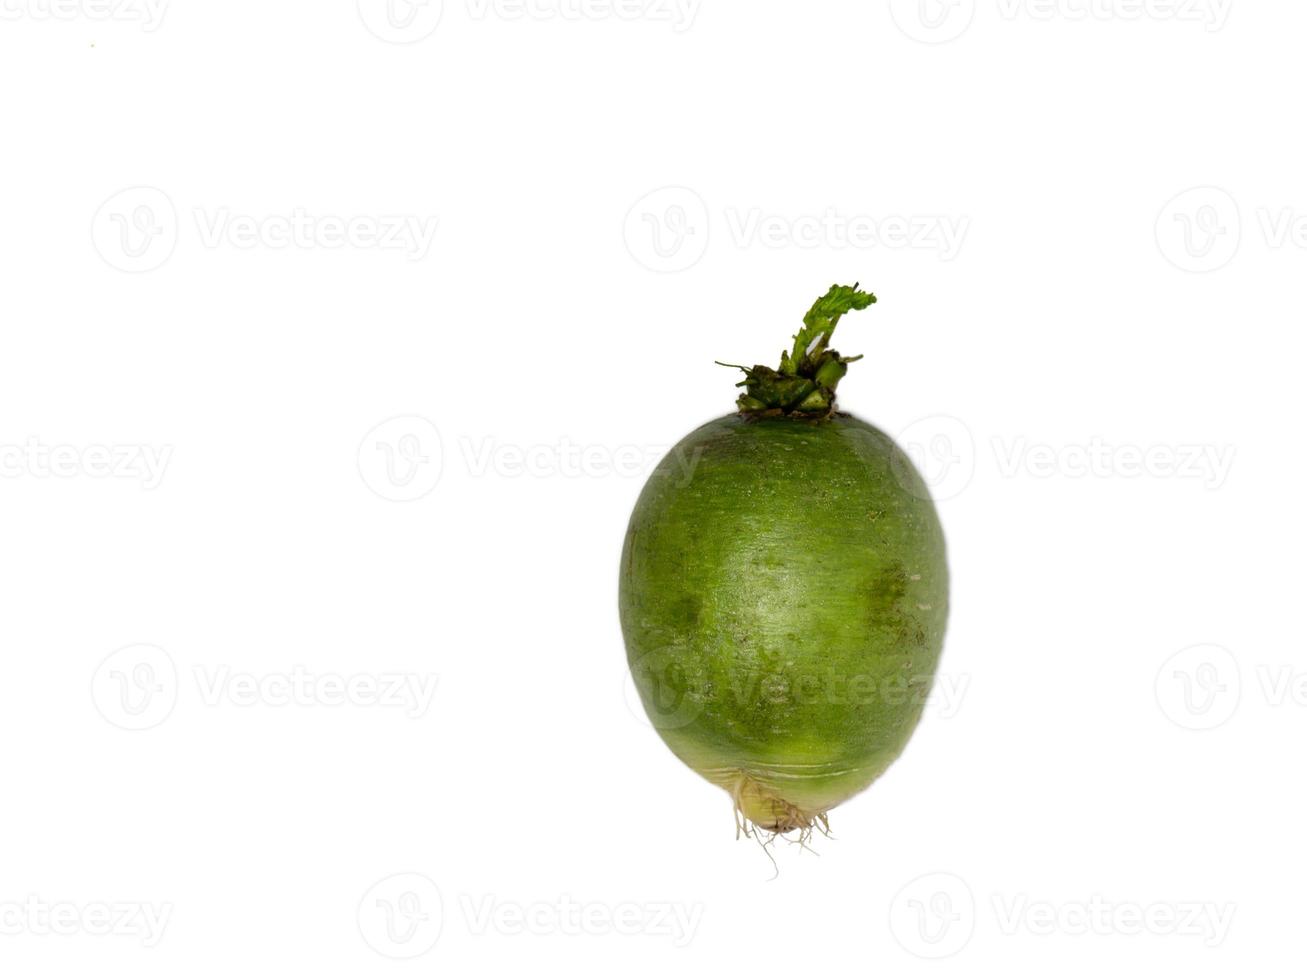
(784,591)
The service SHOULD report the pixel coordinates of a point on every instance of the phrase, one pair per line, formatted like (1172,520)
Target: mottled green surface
(783,596)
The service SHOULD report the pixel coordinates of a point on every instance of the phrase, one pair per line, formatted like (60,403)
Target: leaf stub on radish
(804,384)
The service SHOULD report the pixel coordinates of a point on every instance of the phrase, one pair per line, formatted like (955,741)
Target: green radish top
(804,385)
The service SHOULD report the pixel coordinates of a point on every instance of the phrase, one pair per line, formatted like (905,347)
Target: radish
(784,591)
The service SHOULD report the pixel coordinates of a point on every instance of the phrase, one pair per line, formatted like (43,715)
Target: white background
(1097,366)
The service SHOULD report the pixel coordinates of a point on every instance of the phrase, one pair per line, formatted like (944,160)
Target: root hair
(792,825)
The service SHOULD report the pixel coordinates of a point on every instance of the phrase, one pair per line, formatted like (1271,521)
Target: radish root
(786,818)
